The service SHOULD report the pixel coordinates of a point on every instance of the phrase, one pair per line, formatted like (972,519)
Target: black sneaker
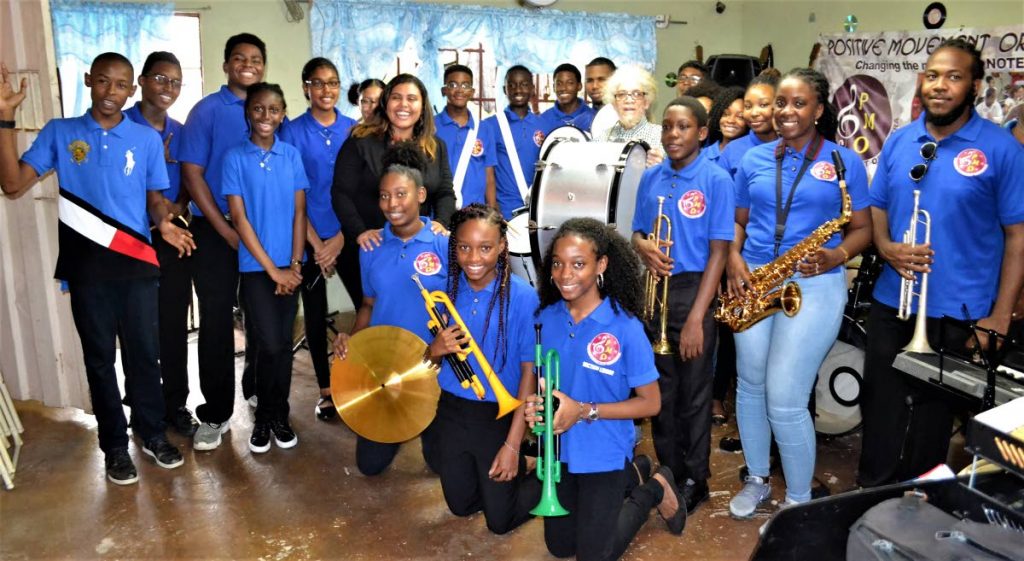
(182,421)
(695,493)
(259,442)
(284,436)
(120,469)
(165,454)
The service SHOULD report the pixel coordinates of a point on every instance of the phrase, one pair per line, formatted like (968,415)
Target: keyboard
(961,376)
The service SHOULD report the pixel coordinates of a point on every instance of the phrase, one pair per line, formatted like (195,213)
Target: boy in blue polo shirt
(698,199)
(160,81)
(216,124)
(968,172)
(470,148)
(111,172)
(569,108)
(518,134)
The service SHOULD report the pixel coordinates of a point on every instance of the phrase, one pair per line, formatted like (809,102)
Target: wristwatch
(593,414)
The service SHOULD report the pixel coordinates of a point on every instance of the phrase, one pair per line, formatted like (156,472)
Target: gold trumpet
(919,342)
(653,284)
(458,362)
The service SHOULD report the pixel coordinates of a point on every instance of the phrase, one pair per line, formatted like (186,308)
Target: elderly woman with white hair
(632,92)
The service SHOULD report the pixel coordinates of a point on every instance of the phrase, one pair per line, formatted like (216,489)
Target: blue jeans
(777,362)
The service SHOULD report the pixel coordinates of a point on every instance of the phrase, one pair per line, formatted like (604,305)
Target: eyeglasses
(162,80)
(619,96)
(464,86)
(320,84)
(928,151)
(691,79)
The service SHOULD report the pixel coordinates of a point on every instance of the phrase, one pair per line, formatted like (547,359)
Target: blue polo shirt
(817,198)
(581,118)
(528,135)
(730,157)
(482,157)
(972,189)
(519,340)
(319,146)
(601,358)
(172,129)
(387,271)
(214,125)
(267,182)
(713,152)
(698,200)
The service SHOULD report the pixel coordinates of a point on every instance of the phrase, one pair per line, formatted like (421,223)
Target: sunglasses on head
(928,151)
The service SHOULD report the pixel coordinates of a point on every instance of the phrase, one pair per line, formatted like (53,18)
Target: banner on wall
(874,77)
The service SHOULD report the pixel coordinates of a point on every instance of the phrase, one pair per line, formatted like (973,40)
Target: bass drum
(564,132)
(520,256)
(837,393)
(584,180)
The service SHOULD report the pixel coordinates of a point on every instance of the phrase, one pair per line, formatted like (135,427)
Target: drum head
(837,393)
(565,132)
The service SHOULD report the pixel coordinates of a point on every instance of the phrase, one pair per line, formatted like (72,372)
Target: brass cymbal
(384,390)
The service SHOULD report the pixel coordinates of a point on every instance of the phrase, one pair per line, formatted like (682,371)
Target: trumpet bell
(661,346)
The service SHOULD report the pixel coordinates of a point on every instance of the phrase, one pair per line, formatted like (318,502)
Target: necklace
(326,135)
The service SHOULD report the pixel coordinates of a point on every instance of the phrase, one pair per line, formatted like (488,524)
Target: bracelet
(516,450)
(7,124)
(846,254)
(296,262)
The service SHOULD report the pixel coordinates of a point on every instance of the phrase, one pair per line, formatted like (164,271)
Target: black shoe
(284,436)
(730,444)
(182,421)
(641,469)
(259,442)
(165,454)
(325,413)
(677,522)
(120,468)
(695,494)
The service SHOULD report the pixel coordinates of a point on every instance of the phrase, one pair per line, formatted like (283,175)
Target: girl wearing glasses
(318,134)
(632,91)
(365,95)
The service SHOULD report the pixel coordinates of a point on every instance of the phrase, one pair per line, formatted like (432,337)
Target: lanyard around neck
(782,211)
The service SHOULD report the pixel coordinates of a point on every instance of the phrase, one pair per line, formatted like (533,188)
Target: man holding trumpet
(966,174)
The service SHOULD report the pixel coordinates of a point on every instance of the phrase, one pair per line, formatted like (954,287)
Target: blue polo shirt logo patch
(604,349)
(478,148)
(79,151)
(824,171)
(970,162)
(427,263)
(538,137)
(692,204)
(129,161)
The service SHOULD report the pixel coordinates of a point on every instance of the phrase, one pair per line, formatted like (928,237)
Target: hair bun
(353,93)
(406,153)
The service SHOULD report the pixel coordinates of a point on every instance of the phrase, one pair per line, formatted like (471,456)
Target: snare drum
(564,132)
(837,393)
(594,180)
(519,255)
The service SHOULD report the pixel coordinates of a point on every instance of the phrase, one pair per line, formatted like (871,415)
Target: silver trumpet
(919,342)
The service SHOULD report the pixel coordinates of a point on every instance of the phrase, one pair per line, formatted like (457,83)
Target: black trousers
(348,268)
(469,438)
(215,274)
(906,425)
(372,457)
(175,295)
(271,317)
(682,430)
(314,311)
(725,363)
(600,525)
(102,311)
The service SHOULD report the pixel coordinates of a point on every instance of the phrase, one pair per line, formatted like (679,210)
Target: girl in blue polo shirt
(318,134)
(481,468)
(758,106)
(390,297)
(590,298)
(266,188)
(784,191)
(697,198)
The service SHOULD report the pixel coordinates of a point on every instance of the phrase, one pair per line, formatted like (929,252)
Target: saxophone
(764,297)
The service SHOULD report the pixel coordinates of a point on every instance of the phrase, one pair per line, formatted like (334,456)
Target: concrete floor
(305,503)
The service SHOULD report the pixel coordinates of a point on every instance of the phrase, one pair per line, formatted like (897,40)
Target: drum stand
(10,428)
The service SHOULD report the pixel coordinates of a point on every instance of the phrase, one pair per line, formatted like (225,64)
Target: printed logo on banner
(604,349)
(824,171)
(427,263)
(971,162)
(865,115)
(692,204)
(478,148)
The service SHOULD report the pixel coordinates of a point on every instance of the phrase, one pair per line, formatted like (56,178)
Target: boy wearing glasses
(690,74)
(471,154)
(160,81)
(569,108)
(214,125)
(968,174)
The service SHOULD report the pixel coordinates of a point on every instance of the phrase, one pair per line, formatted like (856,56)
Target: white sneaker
(208,435)
(754,492)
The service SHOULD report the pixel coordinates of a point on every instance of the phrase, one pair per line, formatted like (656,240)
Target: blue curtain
(83,30)
(365,39)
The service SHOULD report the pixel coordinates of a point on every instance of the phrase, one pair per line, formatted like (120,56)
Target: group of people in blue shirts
(275,204)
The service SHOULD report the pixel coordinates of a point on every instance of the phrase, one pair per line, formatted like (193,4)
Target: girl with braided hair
(590,299)
(481,468)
